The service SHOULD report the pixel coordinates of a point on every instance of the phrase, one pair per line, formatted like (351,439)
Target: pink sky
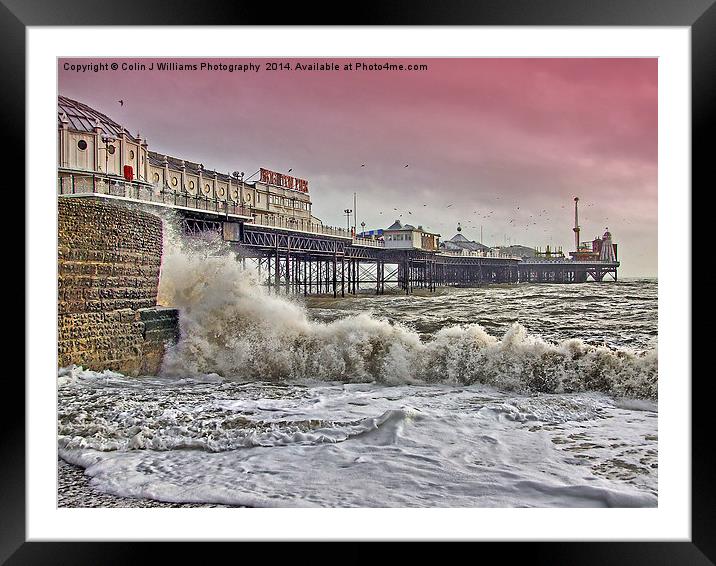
(484,135)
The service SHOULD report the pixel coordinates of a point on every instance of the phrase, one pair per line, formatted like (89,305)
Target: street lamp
(239,176)
(108,150)
(348,213)
(362,228)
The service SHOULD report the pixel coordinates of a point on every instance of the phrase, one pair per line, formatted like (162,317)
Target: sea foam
(233,326)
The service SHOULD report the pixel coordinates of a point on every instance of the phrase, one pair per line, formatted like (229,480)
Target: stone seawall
(109,259)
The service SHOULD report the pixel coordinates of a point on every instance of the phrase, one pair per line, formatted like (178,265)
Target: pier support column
(335,276)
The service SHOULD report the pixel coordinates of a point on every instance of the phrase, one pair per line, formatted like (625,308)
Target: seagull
(363,165)
(121,102)
(449,205)
(406,165)
(290,170)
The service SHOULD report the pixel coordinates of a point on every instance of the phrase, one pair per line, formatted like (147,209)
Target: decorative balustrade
(72,182)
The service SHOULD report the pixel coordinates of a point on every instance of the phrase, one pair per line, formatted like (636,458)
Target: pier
(270,221)
(318,259)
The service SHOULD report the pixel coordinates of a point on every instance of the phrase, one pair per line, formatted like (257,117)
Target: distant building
(459,243)
(399,236)
(525,252)
(599,249)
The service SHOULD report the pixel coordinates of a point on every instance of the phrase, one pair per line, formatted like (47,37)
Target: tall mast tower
(576,224)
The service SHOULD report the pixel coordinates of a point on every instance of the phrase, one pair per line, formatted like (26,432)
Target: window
(156,177)
(207,189)
(82,144)
(131,154)
(191,185)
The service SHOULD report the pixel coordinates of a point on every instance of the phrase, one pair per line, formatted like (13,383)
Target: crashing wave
(233,326)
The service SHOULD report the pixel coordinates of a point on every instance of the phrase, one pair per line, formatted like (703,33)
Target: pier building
(460,244)
(93,144)
(407,237)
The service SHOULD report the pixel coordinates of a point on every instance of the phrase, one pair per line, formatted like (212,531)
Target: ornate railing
(73,182)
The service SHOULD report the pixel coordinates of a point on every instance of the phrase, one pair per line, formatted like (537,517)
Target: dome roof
(83,118)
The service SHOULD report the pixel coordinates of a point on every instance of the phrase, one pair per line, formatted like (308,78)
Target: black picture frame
(699,15)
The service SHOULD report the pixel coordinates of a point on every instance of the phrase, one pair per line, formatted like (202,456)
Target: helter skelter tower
(576,224)
(606,253)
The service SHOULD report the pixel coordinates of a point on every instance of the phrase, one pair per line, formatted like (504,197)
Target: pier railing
(73,182)
(80,183)
(300,225)
(566,261)
(466,253)
(368,242)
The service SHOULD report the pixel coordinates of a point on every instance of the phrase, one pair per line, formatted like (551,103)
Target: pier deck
(328,260)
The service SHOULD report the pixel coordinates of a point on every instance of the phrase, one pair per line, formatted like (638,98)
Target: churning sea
(518,395)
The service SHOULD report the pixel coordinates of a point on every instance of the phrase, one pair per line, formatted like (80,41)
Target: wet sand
(74,490)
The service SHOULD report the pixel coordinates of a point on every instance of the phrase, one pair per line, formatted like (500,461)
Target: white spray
(233,326)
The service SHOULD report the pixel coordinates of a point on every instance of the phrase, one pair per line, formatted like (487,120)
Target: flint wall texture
(109,259)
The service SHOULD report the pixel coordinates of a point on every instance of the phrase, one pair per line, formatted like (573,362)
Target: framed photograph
(421,276)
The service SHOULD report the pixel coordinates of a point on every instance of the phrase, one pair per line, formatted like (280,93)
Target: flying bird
(290,170)
(121,102)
